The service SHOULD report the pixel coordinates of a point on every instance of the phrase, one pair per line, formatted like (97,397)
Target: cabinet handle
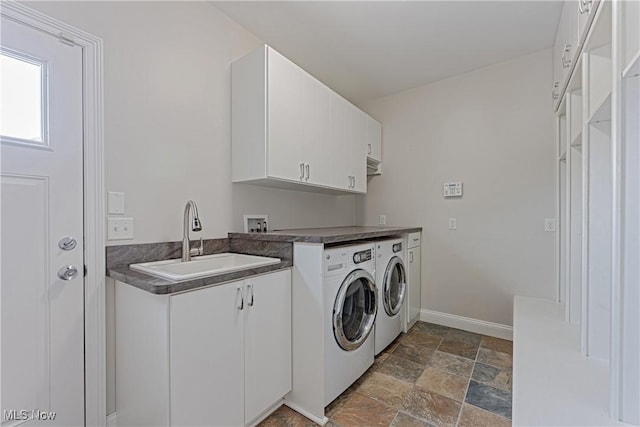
(566,63)
(301,171)
(369,148)
(410,256)
(241,305)
(307,171)
(354,182)
(250,297)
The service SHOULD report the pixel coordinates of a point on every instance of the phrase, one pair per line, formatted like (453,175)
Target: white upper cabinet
(291,131)
(575,21)
(374,140)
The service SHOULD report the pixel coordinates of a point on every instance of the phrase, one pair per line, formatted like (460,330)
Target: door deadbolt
(68,272)
(67,243)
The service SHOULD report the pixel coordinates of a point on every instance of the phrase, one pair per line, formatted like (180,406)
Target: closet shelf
(550,372)
(633,67)
(602,112)
(576,141)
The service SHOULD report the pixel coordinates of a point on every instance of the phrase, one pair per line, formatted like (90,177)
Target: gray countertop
(159,286)
(274,244)
(326,235)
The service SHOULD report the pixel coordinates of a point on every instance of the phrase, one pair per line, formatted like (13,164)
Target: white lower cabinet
(219,356)
(414,280)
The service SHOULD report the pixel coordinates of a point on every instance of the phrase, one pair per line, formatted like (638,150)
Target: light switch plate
(119,228)
(115,203)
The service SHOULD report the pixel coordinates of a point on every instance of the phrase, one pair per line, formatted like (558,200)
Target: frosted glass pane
(21,99)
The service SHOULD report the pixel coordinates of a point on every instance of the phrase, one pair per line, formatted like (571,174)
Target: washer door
(395,286)
(354,311)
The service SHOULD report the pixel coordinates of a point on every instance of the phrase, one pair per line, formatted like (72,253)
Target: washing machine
(391,281)
(350,298)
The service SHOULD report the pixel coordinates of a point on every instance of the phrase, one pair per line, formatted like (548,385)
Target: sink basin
(203,266)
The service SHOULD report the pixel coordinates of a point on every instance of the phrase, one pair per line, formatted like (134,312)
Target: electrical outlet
(119,228)
(453,223)
(383,220)
(549,225)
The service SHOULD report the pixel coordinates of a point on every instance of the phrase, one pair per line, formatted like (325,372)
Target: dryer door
(354,311)
(395,286)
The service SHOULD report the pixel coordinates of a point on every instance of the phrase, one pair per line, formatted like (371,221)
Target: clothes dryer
(391,281)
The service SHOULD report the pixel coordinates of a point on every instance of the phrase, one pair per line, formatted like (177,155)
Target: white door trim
(92,97)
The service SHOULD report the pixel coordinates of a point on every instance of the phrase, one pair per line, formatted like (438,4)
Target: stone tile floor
(431,376)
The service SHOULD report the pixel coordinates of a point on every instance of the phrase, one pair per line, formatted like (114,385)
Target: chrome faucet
(187,251)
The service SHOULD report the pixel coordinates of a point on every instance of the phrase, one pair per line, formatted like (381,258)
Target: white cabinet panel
(415,284)
(267,339)
(358,143)
(206,372)
(291,131)
(374,140)
(317,149)
(288,147)
(216,356)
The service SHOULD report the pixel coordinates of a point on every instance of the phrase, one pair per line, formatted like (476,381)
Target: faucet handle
(198,250)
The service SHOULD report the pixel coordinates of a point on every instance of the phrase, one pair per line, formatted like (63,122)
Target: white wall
(167,92)
(167,119)
(492,129)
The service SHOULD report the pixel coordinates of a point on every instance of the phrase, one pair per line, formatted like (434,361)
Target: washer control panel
(363,256)
(397,247)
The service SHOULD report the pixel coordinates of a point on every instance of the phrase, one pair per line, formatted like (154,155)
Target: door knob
(67,243)
(68,272)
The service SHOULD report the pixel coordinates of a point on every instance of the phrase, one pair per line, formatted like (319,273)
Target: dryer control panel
(363,256)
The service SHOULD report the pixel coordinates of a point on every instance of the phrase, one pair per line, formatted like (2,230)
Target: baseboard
(320,421)
(468,324)
(112,419)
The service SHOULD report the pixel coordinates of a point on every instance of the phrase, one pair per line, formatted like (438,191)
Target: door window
(395,286)
(23,116)
(355,310)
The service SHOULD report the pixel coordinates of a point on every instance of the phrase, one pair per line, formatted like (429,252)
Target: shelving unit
(625,339)
(579,359)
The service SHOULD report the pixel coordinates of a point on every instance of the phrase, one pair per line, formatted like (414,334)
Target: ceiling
(368,49)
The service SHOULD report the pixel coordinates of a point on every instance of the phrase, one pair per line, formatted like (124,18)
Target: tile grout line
(475,360)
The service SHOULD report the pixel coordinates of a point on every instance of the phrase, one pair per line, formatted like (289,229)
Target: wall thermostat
(452,189)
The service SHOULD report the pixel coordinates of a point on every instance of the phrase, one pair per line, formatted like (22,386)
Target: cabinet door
(358,143)
(317,116)
(415,284)
(340,142)
(207,364)
(374,139)
(286,119)
(267,341)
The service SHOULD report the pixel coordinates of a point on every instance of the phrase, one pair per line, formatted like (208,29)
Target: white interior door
(41,176)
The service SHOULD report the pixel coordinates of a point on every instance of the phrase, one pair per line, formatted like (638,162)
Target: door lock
(67,243)
(68,272)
